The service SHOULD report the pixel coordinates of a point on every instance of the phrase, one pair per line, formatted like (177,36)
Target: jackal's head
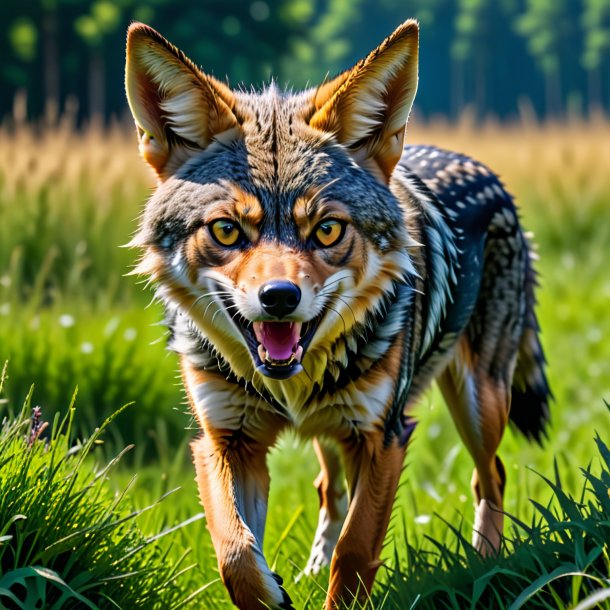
(273,228)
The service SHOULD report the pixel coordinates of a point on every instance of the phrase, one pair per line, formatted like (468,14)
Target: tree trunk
(50,64)
(457,88)
(553,94)
(97,86)
(480,89)
(594,81)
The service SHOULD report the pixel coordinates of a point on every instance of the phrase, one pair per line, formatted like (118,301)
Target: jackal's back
(484,220)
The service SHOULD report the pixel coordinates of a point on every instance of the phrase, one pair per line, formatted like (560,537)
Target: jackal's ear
(178,109)
(367,107)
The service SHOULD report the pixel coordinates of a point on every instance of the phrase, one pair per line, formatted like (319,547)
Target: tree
(50,54)
(469,46)
(93,27)
(596,25)
(545,25)
(321,42)
(476,52)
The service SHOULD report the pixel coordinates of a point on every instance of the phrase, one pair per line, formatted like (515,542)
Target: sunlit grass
(68,541)
(69,317)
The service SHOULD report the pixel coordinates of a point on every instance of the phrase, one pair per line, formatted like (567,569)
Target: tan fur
(481,430)
(233,483)
(373,470)
(370,105)
(249,211)
(220,473)
(328,481)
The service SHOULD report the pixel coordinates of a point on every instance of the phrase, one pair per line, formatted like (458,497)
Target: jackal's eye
(226,232)
(329,232)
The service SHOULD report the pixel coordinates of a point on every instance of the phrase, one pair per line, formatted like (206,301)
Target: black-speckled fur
(482,216)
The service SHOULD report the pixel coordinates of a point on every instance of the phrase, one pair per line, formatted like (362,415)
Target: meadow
(71,318)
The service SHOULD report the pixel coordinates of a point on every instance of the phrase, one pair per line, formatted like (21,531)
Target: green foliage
(23,37)
(74,47)
(560,560)
(324,39)
(113,359)
(66,540)
(596,25)
(101,21)
(543,24)
(467,24)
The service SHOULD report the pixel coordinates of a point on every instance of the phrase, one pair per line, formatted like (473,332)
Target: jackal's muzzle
(277,344)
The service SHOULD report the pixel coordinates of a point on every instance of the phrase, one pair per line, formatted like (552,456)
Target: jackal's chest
(342,391)
(358,407)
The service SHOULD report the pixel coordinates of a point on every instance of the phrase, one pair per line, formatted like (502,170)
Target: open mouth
(278,343)
(277,348)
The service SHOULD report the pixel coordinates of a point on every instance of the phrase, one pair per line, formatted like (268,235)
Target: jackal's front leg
(234,484)
(333,507)
(373,469)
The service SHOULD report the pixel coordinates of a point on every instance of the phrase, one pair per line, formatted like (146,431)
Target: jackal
(318,275)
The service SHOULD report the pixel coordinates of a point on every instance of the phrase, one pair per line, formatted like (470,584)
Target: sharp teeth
(257,327)
(296,355)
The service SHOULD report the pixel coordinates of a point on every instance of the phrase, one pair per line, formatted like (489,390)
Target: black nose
(279,297)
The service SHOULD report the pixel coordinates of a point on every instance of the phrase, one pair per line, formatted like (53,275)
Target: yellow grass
(575,154)
(37,157)
(534,160)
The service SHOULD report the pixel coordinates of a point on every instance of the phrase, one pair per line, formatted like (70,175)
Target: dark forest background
(496,57)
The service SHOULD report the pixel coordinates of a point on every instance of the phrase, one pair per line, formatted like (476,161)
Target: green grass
(78,539)
(66,539)
(69,317)
(560,558)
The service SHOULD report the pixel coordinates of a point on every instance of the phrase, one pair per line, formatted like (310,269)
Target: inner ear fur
(367,107)
(178,109)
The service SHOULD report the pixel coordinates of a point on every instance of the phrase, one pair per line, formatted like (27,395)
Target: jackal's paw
(286,602)
(271,595)
(488,526)
(325,538)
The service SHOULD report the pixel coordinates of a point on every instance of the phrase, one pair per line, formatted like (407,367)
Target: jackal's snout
(279,298)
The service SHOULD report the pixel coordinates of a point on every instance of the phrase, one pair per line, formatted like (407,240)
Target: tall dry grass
(68,199)
(559,172)
(68,317)
(73,195)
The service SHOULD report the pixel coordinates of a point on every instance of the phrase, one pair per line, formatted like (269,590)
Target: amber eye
(329,232)
(225,232)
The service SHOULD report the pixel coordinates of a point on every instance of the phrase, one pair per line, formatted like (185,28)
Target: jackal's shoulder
(469,192)
(465,206)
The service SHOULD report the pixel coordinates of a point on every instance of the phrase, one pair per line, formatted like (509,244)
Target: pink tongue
(278,338)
